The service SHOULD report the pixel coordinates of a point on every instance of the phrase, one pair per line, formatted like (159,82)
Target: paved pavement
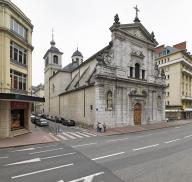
(133,129)
(38,136)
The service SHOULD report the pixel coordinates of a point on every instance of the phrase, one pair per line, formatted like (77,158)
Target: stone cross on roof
(136,17)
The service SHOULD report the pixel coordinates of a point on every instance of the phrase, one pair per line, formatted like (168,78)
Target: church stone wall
(79,105)
(122,113)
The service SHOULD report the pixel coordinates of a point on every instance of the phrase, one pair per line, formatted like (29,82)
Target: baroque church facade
(119,85)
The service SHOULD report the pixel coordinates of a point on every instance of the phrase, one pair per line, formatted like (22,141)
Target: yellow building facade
(15,70)
(176,63)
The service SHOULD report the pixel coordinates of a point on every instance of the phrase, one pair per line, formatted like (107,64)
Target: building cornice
(16,10)
(12,34)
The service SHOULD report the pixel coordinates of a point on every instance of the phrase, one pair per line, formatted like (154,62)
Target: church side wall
(79,105)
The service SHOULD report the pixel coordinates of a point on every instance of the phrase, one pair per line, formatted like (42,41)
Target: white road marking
(188,136)
(83,134)
(89,133)
(50,157)
(177,127)
(45,146)
(24,162)
(21,150)
(116,140)
(5,157)
(39,159)
(46,151)
(144,135)
(106,156)
(60,181)
(75,134)
(75,146)
(62,137)
(40,171)
(67,135)
(86,178)
(55,138)
(146,147)
(172,141)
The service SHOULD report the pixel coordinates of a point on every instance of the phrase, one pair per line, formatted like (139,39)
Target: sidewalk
(147,127)
(37,136)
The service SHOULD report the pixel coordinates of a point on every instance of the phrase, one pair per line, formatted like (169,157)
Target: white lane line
(83,134)
(69,136)
(106,156)
(89,133)
(60,181)
(50,157)
(177,127)
(5,157)
(86,178)
(75,134)
(146,147)
(21,150)
(39,159)
(188,136)
(144,135)
(40,171)
(62,137)
(82,145)
(171,141)
(120,139)
(24,162)
(43,151)
(45,146)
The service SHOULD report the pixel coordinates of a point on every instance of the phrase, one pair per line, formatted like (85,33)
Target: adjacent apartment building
(176,62)
(38,91)
(15,70)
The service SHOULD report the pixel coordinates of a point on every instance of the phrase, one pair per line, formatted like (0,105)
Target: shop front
(19,115)
(15,111)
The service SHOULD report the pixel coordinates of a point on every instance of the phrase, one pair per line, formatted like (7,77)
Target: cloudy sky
(85,23)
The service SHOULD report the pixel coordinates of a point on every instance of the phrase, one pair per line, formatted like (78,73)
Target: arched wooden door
(137,114)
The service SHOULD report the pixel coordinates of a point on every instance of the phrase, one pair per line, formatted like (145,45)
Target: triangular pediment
(138,31)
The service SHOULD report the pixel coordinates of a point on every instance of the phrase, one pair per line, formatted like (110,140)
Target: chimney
(181,45)
(159,48)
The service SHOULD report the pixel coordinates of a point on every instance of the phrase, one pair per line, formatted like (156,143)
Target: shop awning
(19,97)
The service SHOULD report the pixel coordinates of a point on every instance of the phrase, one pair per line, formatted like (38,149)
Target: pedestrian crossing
(70,135)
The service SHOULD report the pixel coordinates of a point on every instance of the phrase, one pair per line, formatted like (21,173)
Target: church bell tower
(53,63)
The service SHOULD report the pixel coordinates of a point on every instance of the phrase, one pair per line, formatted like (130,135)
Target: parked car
(33,117)
(42,122)
(68,122)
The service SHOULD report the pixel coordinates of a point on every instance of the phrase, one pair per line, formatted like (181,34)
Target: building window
(18,54)
(18,29)
(167,102)
(55,59)
(109,100)
(137,70)
(131,71)
(18,80)
(143,74)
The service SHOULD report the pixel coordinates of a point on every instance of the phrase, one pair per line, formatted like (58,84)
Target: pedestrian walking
(104,127)
(100,127)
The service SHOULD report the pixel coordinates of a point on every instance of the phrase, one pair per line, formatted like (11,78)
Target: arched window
(55,59)
(109,100)
(137,70)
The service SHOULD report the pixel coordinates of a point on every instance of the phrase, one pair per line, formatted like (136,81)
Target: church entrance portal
(137,114)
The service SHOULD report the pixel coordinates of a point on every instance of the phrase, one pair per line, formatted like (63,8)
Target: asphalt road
(159,155)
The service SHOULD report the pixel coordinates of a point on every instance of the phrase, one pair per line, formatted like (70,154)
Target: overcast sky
(86,23)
